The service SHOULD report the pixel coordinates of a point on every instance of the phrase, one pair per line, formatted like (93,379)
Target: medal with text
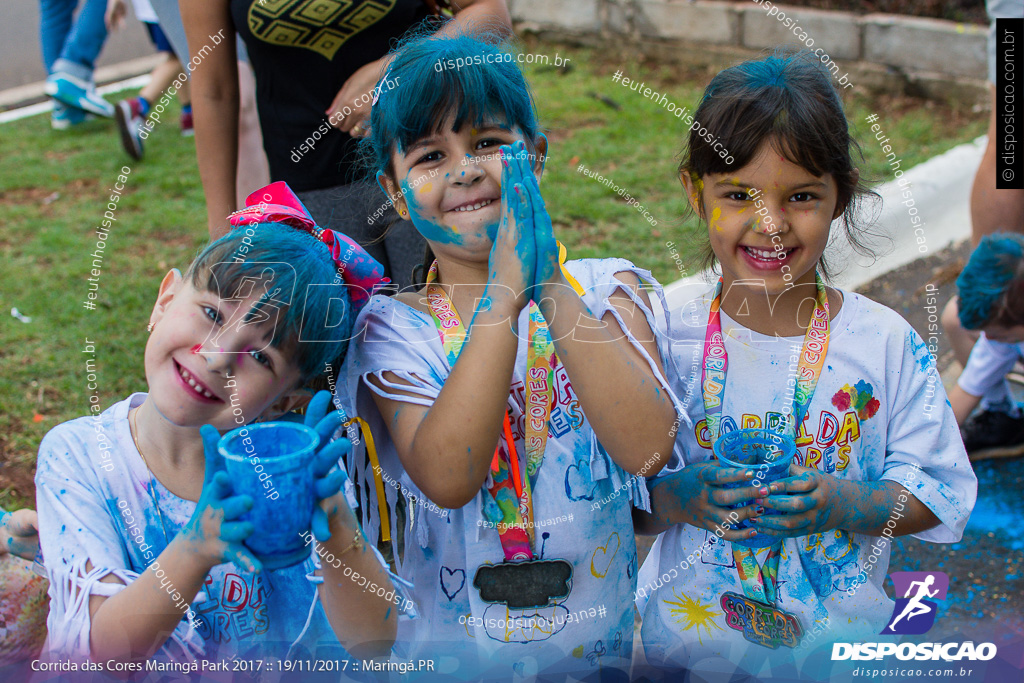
(760,623)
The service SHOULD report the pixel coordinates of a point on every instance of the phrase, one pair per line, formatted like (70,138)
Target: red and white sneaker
(186,124)
(128,114)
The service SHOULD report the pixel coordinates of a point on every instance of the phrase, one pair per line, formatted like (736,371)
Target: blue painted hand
(512,261)
(212,531)
(810,498)
(329,475)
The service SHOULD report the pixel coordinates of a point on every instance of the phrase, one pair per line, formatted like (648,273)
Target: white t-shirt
(582,510)
(989,363)
(144,12)
(879,412)
(91,488)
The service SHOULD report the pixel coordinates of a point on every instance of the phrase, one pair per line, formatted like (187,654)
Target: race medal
(761,624)
(524,585)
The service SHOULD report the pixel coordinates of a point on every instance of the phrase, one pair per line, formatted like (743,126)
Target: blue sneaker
(75,92)
(64,117)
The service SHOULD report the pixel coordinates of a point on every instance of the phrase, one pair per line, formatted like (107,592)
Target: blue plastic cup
(272,462)
(768,454)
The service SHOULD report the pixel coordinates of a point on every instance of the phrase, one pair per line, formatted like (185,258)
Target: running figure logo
(914,613)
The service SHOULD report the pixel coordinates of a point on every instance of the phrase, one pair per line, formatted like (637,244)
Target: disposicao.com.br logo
(914,614)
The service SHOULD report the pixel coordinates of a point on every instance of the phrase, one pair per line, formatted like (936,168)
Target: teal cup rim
(785,443)
(302,429)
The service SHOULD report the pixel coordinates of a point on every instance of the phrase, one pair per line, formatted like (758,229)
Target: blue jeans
(72,47)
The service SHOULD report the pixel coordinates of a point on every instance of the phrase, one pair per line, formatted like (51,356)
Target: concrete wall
(881,51)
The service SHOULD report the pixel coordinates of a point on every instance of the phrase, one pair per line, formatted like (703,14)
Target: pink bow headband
(276,203)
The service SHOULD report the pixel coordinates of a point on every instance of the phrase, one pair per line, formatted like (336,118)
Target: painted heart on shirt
(449,579)
(603,556)
(578,486)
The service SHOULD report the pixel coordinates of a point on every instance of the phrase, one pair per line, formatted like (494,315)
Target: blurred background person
(992,211)
(131,113)
(23,600)
(70,48)
(991,302)
(309,66)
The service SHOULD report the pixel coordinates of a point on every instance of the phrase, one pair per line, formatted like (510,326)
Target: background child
(23,602)
(136,490)
(991,299)
(131,113)
(443,382)
(877,450)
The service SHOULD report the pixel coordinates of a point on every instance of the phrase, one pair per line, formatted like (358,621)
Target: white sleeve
(76,529)
(601,281)
(987,366)
(397,340)
(924,451)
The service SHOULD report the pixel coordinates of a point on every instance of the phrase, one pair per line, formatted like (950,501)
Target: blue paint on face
(431,230)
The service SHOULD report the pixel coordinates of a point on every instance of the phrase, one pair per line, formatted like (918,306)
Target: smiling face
(449,185)
(768,221)
(199,344)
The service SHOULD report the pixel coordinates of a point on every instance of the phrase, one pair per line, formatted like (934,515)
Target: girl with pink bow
(141,529)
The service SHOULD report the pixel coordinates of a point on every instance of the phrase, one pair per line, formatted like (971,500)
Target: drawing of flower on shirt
(859,397)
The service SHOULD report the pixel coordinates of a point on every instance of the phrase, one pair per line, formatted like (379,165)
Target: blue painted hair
(423,88)
(786,99)
(991,286)
(307,315)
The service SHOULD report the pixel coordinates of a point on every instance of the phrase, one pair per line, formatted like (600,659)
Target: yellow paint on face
(426,188)
(472,131)
(716,213)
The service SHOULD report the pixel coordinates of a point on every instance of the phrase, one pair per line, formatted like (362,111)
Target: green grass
(55,186)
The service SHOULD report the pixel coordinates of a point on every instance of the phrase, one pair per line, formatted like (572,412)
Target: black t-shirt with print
(302,52)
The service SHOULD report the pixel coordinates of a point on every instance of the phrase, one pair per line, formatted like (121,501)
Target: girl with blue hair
(140,526)
(525,424)
(991,299)
(845,382)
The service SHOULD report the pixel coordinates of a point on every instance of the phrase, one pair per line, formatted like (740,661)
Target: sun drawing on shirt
(692,614)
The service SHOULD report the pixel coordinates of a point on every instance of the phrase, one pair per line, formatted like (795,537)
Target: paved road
(21,58)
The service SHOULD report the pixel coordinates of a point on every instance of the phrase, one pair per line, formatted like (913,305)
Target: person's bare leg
(253,169)
(162,75)
(184,92)
(993,210)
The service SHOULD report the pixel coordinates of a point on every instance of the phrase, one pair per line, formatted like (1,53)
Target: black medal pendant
(760,623)
(523,585)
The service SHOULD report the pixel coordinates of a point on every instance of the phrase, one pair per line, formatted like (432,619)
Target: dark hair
(991,286)
(423,88)
(786,99)
(306,284)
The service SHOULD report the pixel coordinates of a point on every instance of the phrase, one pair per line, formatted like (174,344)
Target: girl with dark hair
(848,380)
(527,425)
(140,526)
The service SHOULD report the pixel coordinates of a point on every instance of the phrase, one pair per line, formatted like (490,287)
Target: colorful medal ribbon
(510,490)
(761,583)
